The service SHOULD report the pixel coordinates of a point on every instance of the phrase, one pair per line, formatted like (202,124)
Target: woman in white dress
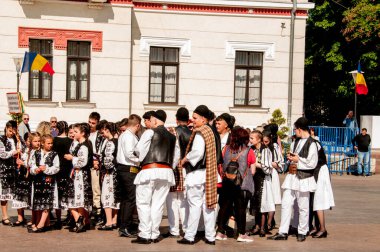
(276,165)
(323,196)
(108,178)
(263,202)
(79,193)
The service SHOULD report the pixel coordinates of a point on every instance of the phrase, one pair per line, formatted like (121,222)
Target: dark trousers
(233,197)
(127,195)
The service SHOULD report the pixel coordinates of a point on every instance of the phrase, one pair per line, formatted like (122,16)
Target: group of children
(42,173)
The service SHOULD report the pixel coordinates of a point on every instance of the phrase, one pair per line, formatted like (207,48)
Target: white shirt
(145,176)
(92,138)
(308,184)
(224,139)
(197,177)
(125,148)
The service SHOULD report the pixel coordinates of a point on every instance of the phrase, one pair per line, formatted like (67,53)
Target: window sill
(163,106)
(78,105)
(249,110)
(48,104)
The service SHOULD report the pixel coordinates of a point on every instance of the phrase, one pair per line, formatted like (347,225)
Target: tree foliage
(339,34)
(278,119)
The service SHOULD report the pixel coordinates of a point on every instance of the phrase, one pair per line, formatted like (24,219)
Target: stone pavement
(353,225)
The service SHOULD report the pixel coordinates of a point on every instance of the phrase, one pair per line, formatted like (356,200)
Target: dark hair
(273,129)
(101,124)
(84,128)
(94,115)
(239,138)
(302,123)
(268,134)
(364,129)
(11,124)
(148,114)
(62,127)
(111,127)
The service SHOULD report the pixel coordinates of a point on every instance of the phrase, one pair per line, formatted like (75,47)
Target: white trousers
(177,207)
(150,200)
(287,208)
(197,204)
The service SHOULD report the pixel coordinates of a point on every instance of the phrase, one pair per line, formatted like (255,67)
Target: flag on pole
(361,86)
(34,61)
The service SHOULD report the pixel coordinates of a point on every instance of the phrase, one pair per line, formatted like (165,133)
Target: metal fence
(337,143)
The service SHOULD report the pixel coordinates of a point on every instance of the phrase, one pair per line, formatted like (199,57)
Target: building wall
(205,77)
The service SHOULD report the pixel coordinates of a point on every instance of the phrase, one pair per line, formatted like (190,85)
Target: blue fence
(337,143)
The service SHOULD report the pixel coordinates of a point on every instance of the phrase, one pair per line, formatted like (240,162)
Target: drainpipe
(131,67)
(291,50)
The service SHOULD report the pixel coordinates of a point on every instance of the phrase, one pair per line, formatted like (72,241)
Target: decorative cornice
(146,42)
(60,37)
(254,8)
(267,48)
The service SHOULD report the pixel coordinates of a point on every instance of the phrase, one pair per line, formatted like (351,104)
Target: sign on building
(15,103)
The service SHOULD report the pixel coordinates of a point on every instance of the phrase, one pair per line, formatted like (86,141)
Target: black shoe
(185,241)
(254,231)
(80,227)
(320,235)
(36,230)
(313,232)
(141,240)
(123,232)
(157,240)
(278,236)
(301,238)
(19,223)
(209,242)
(170,235)
(262,233)
(105,228)
(230,232)
(7,222)
(114,226)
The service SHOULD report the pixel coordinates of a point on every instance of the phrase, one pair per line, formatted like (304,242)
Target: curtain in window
(34,85)
(83,80)
(240,86)
(45,85)
(155,83)
(72,80)
(254,87)
(170,83)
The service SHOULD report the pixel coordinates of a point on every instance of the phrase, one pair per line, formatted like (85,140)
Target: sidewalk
(353,225)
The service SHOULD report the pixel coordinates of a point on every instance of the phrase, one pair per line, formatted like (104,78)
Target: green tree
(338,35)
(278,119)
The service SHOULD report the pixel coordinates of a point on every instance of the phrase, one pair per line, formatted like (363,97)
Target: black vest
(90,161)
(183,135)
(304,152)
(161,148)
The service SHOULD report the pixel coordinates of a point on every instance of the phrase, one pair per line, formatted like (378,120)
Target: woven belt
(155,165)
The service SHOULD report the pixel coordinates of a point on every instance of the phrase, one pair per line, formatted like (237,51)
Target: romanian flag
(34,61)
(361,86)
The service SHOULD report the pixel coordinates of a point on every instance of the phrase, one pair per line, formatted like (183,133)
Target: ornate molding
(60,37)
(183,44)
(249,110)
(268,48)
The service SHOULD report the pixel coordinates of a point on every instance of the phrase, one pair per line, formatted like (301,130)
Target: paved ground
(353,225)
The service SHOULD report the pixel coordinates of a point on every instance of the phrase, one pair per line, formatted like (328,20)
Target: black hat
(182,114)
(230,120)
(148,114)
(160,115)
(203,110)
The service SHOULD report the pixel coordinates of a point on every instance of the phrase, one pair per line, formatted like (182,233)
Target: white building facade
(130,56)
